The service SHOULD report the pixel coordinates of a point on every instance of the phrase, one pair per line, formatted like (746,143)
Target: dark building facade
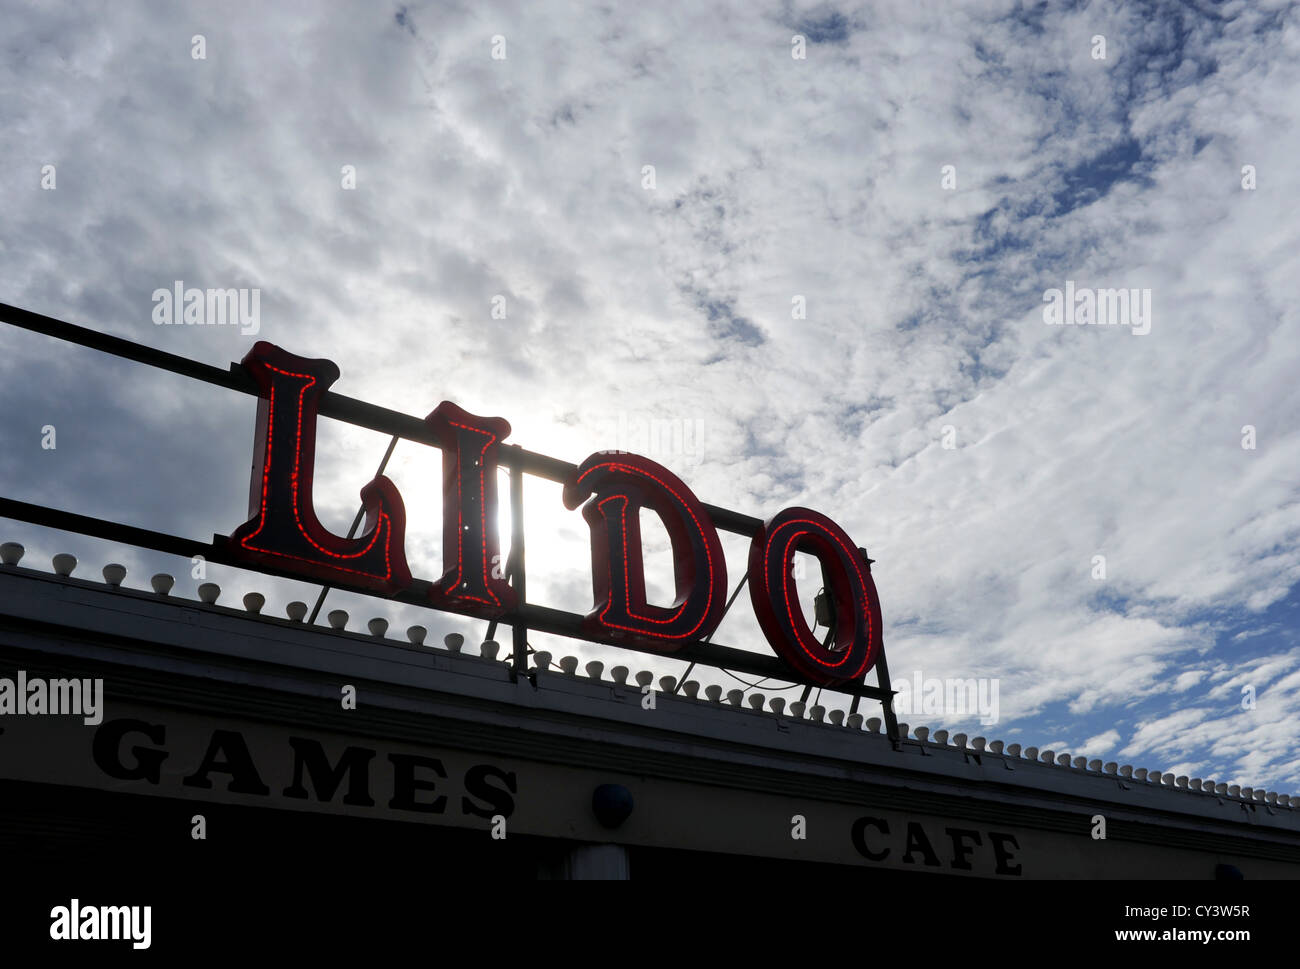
(319,747)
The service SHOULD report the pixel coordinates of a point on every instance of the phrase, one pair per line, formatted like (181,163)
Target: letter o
(776,601)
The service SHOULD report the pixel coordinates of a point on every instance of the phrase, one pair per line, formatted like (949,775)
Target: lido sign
(610,487)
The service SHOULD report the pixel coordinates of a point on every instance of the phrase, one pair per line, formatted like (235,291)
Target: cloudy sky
(810,305)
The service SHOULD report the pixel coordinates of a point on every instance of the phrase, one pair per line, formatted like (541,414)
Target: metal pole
(347,409)
(740,585)
(356,523)
(882,677)
(517,580)
(510,571)
(553,621)
(685,677)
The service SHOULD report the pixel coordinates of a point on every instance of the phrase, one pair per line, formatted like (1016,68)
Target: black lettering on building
(500,800)
(238,763)
(917,841)
(960,851)
(1003,856)
(406,784)
(859,835)
(106,750)
(354,764)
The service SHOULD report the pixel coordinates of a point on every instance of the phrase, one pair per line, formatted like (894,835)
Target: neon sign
(611,488)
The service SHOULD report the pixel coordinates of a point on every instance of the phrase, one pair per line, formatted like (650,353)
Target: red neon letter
(474,580)
(623,485)
(283,531)
(776,600)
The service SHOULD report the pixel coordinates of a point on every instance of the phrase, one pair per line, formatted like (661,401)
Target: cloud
(775,177)
(1100,744)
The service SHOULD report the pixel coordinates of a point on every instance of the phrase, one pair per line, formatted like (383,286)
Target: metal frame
(519,462)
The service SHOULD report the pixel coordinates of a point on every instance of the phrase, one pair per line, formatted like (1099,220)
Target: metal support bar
(356,523)
(725,609)
(398,425)
(685,676)
(518,579)
(883,682)
(337,406)
(510,573)
(541,618)
(25,511)
(118,347)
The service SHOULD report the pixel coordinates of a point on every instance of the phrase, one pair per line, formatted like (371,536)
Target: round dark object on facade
(612,804)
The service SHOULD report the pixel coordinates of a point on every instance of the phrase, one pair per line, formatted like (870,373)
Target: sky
(816,245)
